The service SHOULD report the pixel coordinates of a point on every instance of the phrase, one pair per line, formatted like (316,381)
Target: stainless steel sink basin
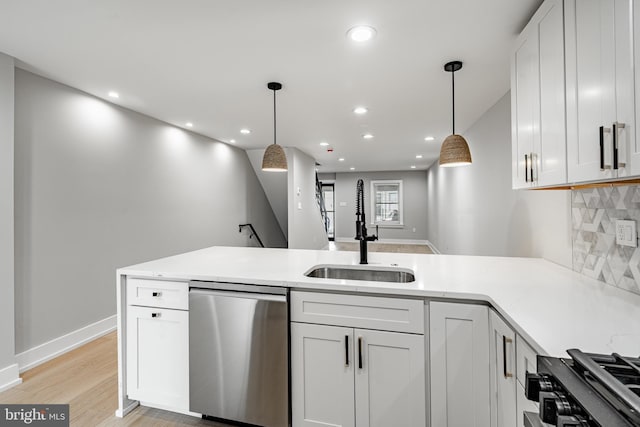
(395,275)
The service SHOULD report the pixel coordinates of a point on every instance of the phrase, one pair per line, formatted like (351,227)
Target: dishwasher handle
(236,294)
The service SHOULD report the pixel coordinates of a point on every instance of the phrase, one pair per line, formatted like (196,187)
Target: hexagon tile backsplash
(594,212)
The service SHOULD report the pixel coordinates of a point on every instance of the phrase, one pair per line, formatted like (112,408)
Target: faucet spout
(361,223)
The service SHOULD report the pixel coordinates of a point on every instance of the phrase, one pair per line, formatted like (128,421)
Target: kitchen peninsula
(515,308)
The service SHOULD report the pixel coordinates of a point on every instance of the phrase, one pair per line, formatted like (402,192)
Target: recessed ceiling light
(341,159)
(360,110)
(324,144)
(233,141)
(361,33)
(367,136)
(189,124)
(413,166)
(429,138)
(352,168)
(113,94)
(245,131)
(419,156)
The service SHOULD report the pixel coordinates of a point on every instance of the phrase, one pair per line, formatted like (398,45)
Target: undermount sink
(395,275)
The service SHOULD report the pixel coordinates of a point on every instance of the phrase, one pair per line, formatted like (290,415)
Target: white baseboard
(392,241)
(9,377)
(54,348)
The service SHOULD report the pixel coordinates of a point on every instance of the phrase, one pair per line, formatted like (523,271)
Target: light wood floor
(381,247)
(86,379)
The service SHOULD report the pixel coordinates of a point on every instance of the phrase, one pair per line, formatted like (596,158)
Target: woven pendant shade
(454,151)
(274,159)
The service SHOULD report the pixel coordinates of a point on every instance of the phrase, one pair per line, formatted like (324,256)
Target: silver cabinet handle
(615,127)
(505,371)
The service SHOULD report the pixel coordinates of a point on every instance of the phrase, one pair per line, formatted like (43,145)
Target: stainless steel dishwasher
(239,353)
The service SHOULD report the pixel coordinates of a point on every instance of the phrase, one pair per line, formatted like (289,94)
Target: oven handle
(606,379)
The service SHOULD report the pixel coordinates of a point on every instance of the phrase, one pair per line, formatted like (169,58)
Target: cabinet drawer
(388,314)
(525,360)
(158,293)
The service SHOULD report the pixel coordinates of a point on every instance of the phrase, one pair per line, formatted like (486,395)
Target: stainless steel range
(587,390)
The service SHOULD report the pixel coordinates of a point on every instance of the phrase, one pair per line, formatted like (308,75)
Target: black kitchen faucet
(361,223)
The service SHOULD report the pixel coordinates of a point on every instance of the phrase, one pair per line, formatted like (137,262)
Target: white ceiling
(208,62)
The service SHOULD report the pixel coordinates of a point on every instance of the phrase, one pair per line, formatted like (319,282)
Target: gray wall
(306,230)
(100,187)
(473,210)
(274,185)
(414,188)
(7,344)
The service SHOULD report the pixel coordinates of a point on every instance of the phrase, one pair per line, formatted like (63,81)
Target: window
(386,203)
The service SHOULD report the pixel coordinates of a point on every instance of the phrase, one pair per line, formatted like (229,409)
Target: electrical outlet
(626,233)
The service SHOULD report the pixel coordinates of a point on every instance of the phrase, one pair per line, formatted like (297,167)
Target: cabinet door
(525,106)
(599,66)
(503,373)
(322,369)
(390,379)
(459,365)
(551,150)
(158,356)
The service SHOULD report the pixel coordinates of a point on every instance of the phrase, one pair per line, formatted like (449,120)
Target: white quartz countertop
(552,307)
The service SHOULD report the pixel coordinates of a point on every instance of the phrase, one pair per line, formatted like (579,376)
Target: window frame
(387,224)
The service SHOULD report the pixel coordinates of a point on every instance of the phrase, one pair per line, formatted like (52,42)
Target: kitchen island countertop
(552,307)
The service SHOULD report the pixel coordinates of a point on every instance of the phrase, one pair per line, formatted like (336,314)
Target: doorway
(328,195)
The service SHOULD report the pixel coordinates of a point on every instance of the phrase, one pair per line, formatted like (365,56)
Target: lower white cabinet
(459,349)
(158,356)
(525,362)
(344,377)
(503,372)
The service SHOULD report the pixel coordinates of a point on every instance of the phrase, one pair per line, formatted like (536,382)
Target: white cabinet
(390,381)
(350,376)
(538,101)
(600,90)
(525,362)
(459,362)
(503,377)
(322,367)
(157,346)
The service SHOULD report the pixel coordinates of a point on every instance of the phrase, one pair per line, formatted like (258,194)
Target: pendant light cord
(453,98)
(274,117)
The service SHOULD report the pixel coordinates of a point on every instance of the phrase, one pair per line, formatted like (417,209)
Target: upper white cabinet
(538,101)
(600,90)
(459,362)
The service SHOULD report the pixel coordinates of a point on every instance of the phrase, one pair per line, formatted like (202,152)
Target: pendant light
(274,159)
(454,150)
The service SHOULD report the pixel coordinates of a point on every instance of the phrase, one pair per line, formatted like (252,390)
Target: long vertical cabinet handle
(616,160)
(346,350)
(359,352)
(526,168)
(614,130)
(505,371)
(531,167)
(601,148)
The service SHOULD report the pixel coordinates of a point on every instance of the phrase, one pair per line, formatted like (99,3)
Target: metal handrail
(320,200)
(253,232)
